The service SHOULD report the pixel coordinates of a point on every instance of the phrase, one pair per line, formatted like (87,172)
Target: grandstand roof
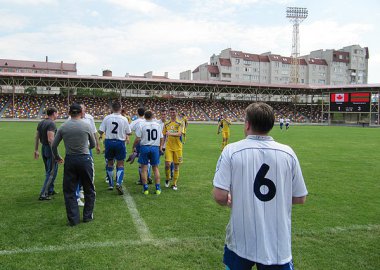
(120,83)
(225,62)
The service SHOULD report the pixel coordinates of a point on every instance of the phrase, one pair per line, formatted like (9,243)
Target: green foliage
(338,227)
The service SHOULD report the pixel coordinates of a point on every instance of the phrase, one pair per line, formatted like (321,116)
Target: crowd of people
(32,107)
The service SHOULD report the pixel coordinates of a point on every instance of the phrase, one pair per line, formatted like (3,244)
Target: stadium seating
(31,107)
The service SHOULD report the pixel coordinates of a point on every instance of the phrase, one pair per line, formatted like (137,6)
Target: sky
(137,36)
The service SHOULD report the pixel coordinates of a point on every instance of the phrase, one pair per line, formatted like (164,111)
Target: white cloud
(142,6)
(17,21)
(29,2)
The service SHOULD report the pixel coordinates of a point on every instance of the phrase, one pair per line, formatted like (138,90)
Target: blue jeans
(51,169)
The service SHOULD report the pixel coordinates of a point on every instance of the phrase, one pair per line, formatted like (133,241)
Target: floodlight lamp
(296,13)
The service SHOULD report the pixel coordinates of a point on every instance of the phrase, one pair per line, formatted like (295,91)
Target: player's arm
(50,136)
(298,200)
(222,197)
(36,145)
(54,146)
(136,142)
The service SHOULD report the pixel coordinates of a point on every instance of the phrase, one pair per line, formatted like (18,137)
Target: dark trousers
(78,168)
(51,169)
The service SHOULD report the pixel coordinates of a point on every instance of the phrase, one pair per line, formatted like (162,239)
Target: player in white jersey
(117,131)
(149,136)
(259,179)
(287,123)
(281,122)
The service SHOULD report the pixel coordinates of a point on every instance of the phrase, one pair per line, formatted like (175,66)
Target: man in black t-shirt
(46,130)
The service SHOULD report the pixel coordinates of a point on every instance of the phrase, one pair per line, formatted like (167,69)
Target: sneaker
(81,195)
(44,198)
(150,181)
(107,180)
(174,187)
(80,203)
(53,193)
(146,192)
(158,191)
(119,189)
(110,188)
(167,183)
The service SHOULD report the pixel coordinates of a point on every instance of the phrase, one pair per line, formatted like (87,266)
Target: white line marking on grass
(167,241)
(140,224)
(79,246)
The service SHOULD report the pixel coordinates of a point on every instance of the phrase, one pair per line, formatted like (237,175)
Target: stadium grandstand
(200,101)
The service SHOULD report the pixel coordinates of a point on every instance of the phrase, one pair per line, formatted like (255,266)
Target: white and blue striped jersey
(115,126)
(262,176)
(136,124)
(150,133)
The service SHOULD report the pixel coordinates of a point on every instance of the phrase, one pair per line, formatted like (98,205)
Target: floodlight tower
(295,15)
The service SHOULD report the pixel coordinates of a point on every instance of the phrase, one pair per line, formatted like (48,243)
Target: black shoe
(120,189)
(44,198)
(88,220)
(53,193)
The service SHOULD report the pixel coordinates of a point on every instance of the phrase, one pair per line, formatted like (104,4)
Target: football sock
(146,187)
(167,173)
(175,177)
(110,176)
(158,187)
(171,169)
(119,175)
(149,170)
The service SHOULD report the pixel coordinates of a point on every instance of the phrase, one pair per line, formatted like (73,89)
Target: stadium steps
(5,107)
(201,109)
(41,112)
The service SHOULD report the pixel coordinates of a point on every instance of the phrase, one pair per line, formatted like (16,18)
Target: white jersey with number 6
(115,126)
(262,177)
(150,133)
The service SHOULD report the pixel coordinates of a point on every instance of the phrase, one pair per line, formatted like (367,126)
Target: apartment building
(22,66)
(348,65)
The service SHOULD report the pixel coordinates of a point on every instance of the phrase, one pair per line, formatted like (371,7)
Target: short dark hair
(163,110)
(50,111)
(260,116)
(172,109)
(75,109)
(148,114)
(116,106)
(141,111)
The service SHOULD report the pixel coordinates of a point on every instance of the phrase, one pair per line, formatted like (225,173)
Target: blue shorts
(149,154)
(235,262)
(115,149)
(281,125)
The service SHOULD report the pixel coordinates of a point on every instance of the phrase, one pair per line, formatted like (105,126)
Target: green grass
(337,228)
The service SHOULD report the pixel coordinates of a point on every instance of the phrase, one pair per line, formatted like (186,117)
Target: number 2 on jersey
(260,180)
(114,130)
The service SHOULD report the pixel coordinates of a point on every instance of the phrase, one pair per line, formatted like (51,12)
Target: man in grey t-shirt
(78,139)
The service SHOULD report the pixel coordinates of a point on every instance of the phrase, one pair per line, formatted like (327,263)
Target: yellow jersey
(173,143)
(225,125)
(185,124)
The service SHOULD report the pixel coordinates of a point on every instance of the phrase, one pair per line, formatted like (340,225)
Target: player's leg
(109,155)
(86,175)
(155,161)
(144,161)
(120,155)
(177,159)
(168,161)
(70,183)
(50,163)
(171,170)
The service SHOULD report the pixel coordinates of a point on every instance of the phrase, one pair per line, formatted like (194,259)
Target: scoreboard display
(350,102)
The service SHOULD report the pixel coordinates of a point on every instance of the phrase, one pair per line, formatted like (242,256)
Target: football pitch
(337,228)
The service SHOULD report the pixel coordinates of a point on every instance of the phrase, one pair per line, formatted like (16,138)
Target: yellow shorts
(225,135)
(173,156)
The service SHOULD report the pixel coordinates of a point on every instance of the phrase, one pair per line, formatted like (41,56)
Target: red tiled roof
(213,69)
(225,62)
(37,65)
(303,62)
(264,58)
(317,61)
(344,55)
(245,56)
